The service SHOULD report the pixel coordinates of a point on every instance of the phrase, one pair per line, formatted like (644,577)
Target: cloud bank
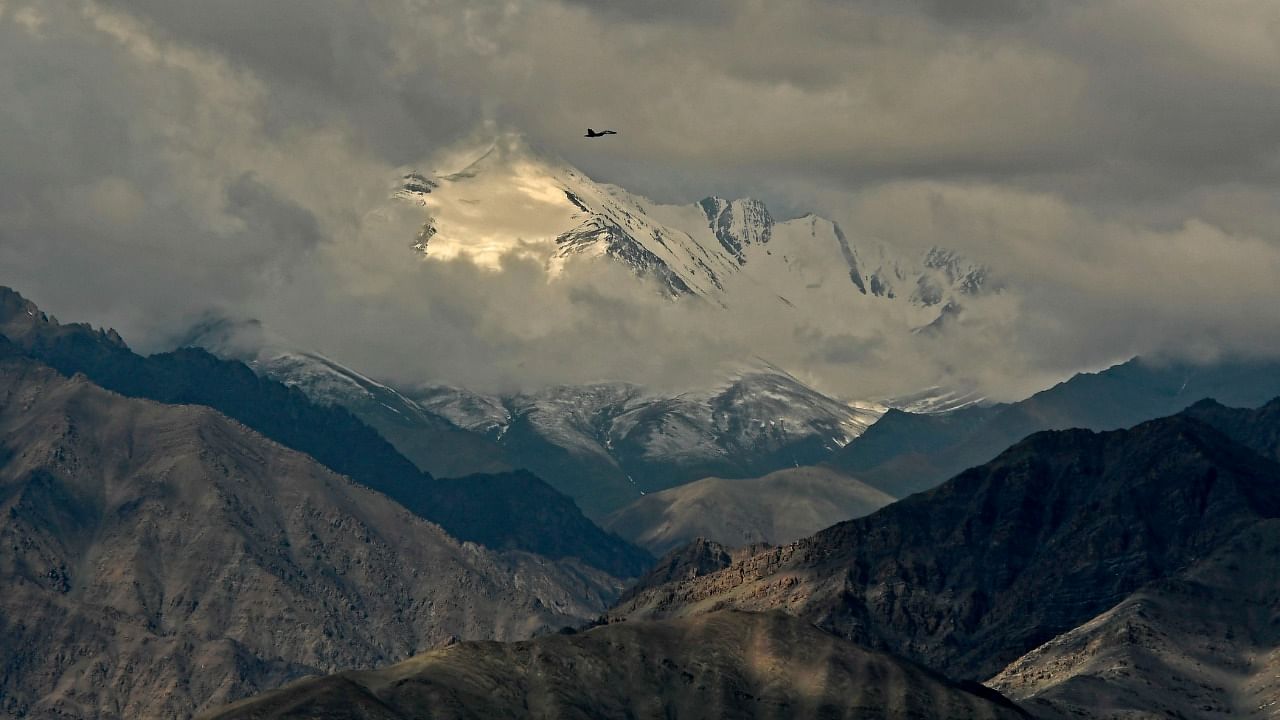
(1118,163)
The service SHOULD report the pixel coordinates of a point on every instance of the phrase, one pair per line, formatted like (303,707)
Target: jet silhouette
(599,133)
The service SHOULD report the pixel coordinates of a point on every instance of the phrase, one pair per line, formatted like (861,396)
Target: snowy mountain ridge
(741,413)
(601,443)
(514,200)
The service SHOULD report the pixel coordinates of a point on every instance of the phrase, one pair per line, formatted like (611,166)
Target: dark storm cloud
(326,63)
(684,12)
(290,225)
(1156,95)
(1118,162)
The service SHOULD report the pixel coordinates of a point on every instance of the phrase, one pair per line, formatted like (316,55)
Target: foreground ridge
(726,664)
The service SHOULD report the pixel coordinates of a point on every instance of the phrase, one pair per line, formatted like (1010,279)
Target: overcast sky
(1118,163)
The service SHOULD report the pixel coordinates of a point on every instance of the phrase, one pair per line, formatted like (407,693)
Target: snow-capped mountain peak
(515,200)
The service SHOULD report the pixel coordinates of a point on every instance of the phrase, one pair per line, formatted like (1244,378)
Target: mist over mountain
(514,200)
(520,244)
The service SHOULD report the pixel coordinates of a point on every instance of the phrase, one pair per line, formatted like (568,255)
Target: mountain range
(906,452)
(604,444)
(181,531)
(629,457)
(1128,573)
(647,465)
(516,506)
(513,198)
(1033,571)
(159,559)
(343,523)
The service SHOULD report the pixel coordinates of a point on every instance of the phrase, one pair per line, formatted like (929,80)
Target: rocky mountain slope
(1202,644)
(780,507)
(970,576)
(694,559)
(725,665)
(159,559)
(517,503)
(908,452)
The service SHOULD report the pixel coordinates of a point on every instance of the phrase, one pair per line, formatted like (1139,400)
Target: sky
(1117,164)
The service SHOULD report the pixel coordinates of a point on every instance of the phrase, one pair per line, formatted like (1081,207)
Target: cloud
(1118,163)
(676,12)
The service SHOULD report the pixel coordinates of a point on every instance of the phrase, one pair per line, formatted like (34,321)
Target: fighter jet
(599,133)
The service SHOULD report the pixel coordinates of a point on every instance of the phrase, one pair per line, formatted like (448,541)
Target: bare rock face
(697,558)
(157,560)
(724,665)
(1202,644)
(1006,556)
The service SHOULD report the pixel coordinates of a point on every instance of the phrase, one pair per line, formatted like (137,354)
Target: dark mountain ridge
(723,665)
(1257,429)
(905,452)
(969,576)
(516,504)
